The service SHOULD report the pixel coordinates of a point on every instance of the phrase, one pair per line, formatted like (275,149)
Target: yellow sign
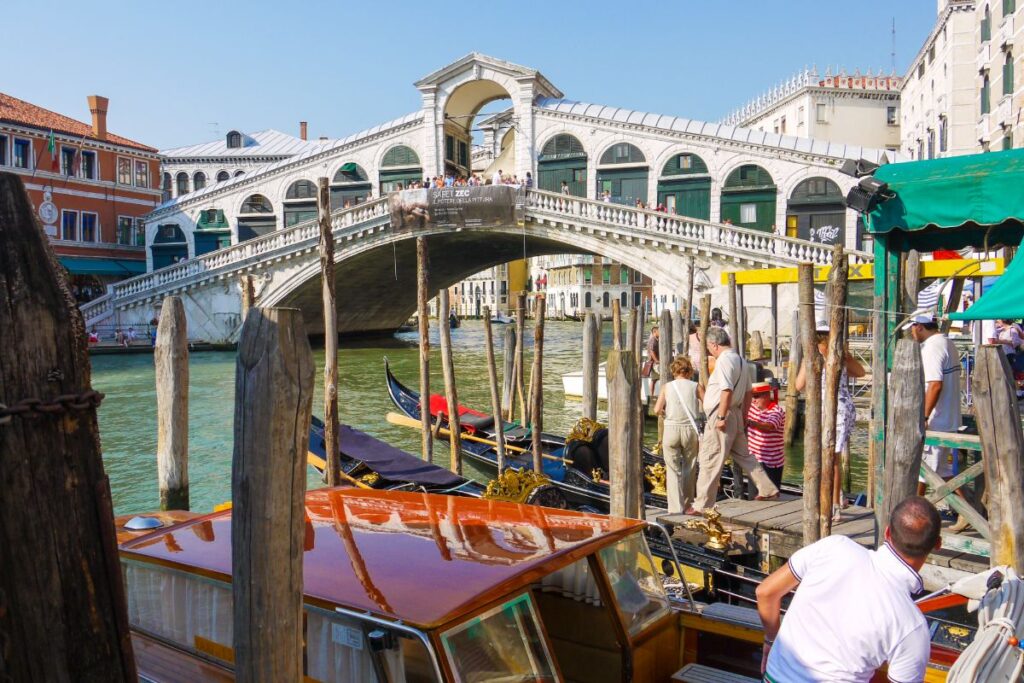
(930,270)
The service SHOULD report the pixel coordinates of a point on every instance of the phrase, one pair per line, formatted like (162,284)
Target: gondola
(577,470)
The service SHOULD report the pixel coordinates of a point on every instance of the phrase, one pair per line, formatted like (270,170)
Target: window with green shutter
(400,155)
(623,275)
(1008,73)
(985,107)
(1009,6)
(606,275)
(623,153)
(986,26)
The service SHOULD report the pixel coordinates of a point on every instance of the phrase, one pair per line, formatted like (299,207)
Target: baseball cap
(918,318)
(761,387)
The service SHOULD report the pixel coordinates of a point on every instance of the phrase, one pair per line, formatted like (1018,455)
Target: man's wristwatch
(722,418)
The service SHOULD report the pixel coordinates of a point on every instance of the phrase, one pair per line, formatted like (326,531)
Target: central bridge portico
(376,274)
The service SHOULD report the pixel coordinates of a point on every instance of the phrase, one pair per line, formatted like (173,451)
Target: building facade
(90,188)
(858,109)
(939,101)
(575,284)
(998,82)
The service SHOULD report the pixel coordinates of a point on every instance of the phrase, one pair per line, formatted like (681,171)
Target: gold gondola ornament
(515,486)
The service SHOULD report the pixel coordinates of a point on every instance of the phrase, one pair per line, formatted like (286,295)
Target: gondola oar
(320,465)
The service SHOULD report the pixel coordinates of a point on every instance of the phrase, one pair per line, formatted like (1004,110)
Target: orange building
(90,188)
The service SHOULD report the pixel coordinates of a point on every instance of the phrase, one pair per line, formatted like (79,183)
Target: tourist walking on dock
(846,413)
(677,403)
(766,423)
(652,353)
(852,610)
(726,401)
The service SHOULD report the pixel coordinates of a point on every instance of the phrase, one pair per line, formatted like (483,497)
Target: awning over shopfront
(83,265)
(942,203)
(1003,301)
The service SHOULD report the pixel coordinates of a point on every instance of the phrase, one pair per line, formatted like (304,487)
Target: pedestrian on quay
(652,353)
(565,188)
(677,403)
(846,412)
(852,610)
(726,402)
(766,423)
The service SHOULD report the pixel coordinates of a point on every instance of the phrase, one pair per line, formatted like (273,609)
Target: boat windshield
(503,644)
(638,590)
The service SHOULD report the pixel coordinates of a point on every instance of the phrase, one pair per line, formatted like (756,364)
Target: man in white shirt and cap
(852,611)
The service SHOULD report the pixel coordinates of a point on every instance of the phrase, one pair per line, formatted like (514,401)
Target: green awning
(954,202)
(83,265)
(1003,300)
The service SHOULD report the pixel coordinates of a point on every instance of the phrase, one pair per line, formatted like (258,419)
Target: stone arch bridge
(376,272)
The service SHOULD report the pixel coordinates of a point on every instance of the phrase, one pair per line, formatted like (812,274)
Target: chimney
(302,129)
(98,107)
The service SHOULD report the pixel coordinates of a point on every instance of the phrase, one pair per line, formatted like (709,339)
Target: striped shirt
(765,445)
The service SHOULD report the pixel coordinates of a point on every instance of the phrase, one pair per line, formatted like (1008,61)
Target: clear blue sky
(170,69)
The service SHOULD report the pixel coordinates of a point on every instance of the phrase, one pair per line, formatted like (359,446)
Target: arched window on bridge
(181,184)
(166,186)
(563,159)
(350,185)
(212,231)
(684,187)
(169,245)
(222,176)
(622,172)
(255,217)
(198,180)
(749,198)
(299,203)
(400,165)
(239,172)
(816,211)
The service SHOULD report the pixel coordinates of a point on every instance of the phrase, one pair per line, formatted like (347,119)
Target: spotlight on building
(867,194)
(858,168)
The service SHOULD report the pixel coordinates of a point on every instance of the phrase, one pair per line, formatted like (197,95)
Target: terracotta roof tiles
(13,110)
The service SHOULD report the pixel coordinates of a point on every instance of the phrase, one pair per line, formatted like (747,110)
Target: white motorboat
(572,385)
(502,319)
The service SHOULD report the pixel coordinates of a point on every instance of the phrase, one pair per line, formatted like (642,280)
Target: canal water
(127,416)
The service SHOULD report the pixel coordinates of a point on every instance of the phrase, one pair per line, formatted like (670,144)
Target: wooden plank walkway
(777,525)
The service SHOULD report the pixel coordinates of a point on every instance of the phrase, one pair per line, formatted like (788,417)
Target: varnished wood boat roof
(425,559)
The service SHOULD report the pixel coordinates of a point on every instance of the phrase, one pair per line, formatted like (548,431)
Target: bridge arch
(299,202)
(684,185)
(562,158)
(749,197)
(459,106)
(398,163)
(350,185)
(816,211)
(624,172)
(254,217)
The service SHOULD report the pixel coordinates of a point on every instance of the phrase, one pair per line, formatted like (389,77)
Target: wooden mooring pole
(248,294)
(450,391)
(638,336)
(904,441)
(520,370)
(834,361)
(423,319)
(508,374)
(678,332)
(1002,443)
(591,363)
(63,613)
(688,314)
(812,407)
(702,337)
(623,435)
(616,326)
(492,378)
(170,356)
(793,368)
(273,406)
(537,384)
(332,450)
(665,349)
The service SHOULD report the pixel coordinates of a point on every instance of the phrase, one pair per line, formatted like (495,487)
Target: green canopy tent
(969,201)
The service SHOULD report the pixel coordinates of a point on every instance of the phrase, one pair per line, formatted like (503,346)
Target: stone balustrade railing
(730,237)
(99,308)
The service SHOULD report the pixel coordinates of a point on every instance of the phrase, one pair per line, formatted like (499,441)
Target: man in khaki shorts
(726,401)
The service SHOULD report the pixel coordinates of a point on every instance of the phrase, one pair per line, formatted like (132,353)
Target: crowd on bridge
(499,177)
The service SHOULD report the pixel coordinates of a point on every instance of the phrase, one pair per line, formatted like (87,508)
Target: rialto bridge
(726,190)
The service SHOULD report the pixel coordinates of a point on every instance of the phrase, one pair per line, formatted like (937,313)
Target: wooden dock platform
(774,528)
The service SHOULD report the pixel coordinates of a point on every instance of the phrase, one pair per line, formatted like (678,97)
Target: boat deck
(775,528)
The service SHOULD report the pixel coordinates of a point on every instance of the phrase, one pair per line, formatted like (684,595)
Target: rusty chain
(30,408)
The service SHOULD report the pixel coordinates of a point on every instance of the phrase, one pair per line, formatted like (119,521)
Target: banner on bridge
(457,207)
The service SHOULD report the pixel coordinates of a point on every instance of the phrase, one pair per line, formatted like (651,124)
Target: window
(606,275)
(1008,73)
(124,171)
(920,70)
(748,213)
(638,590)
(257,203)
(400,156)
(199,180)
(606,299)
(181,182)
(234,139)
(142,174)
(800,117)
(637,277)
(587,299)
(3,150)
(931,143)
(67,161)
(623,275)
(985,105)
(124,229)
(986,25)
(821,111)
(69,225)
(22,153)
(636,300)
(238,173)
(449,148)
(222,176)
(463,154)
(931,54)
(1008,140)
(90,225)
(89,165)
(890,116)
(1009,6)
(943,136)
(782,125)
(622,153)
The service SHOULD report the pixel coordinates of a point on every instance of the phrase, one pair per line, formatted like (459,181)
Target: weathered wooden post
(171,360)
(702,336)
(508,374)
(591,363)
(423,319)
(332,452)
(911,281)
(632,323)
(537,398)
(63,615)
(450,391)
(904,441)
(792,395)
(248,294)
(688,315)
(756,346)
(492,378)
(1002,443)
(273,406)
(616,326)
(520,370)
(834,362)
(665,347)
(638,332)
(812,407)
(734,317)
(623,435)
(678,332)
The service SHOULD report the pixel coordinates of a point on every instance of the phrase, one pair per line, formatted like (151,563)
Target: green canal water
(127,416)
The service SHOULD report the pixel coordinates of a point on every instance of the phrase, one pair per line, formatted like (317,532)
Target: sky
(187,72)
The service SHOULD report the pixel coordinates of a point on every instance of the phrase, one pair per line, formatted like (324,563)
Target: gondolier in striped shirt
(765,431)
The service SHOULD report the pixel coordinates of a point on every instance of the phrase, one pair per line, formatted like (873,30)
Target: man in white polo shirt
(852,611)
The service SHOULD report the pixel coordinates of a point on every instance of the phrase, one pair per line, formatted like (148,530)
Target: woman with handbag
(677,403)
